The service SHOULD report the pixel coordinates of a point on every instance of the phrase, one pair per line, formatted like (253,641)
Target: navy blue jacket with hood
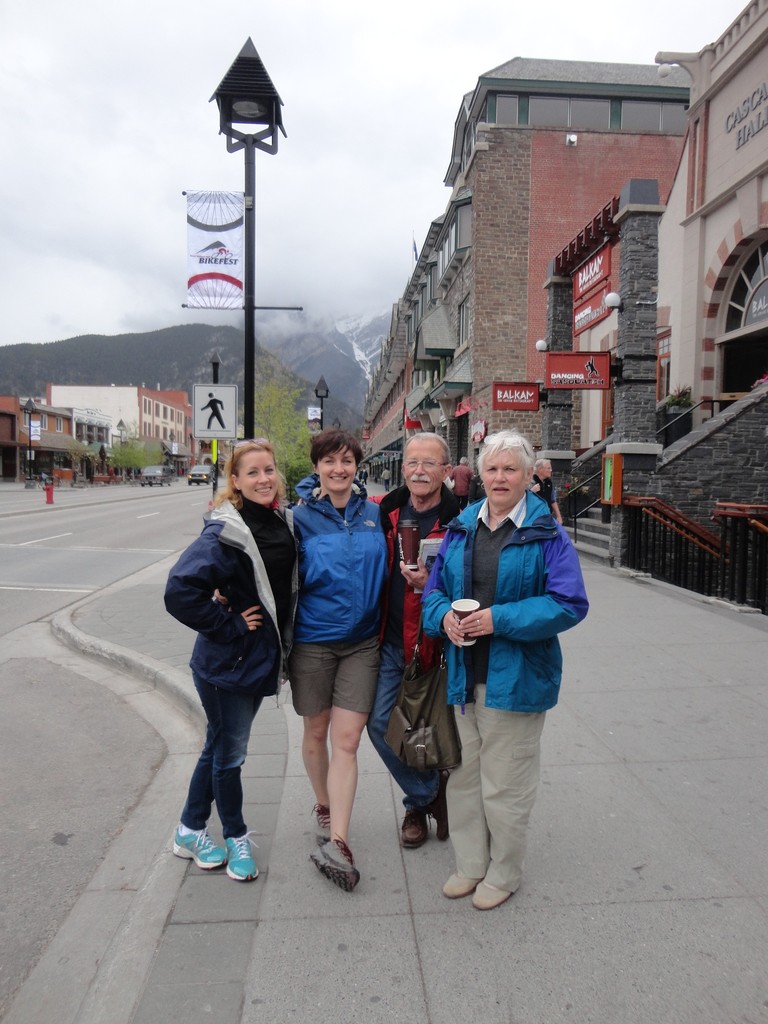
(226,652)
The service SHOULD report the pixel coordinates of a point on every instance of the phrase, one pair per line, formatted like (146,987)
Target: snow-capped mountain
(343,351)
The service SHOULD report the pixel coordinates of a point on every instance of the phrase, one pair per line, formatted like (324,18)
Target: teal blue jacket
(539,593)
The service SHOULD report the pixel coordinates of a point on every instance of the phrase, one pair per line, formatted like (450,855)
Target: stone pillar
(557,413)
(634,414)
(556,419)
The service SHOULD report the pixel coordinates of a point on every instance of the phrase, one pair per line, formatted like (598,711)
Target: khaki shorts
(338,675)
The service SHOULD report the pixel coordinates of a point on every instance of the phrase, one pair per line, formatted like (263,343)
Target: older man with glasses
(426,500)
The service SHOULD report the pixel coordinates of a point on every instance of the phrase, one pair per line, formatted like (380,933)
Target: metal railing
(675,548)
(744,572)
(572,511)
(671,546)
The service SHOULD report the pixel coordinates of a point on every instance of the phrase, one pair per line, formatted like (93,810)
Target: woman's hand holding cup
(462,631)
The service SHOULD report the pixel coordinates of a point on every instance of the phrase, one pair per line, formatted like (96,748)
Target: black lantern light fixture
(250,117)
(321,392)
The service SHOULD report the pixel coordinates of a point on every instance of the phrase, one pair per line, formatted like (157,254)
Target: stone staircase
(592,535)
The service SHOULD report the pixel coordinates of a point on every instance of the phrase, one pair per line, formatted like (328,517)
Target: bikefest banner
(215,250)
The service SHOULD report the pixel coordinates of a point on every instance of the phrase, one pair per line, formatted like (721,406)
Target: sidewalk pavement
(645,895)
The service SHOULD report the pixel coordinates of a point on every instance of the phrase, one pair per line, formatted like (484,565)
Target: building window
(59,425)
(663,349)
(674,117)
(751,278)
(506,110)
(43,421)
(464,323)
(641,115)
(548,111)
(590,113)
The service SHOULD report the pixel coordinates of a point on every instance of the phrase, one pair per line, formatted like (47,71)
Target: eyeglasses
(252,440)
(428,464)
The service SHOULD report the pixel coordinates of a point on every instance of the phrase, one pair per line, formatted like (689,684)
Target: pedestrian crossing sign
(215,411)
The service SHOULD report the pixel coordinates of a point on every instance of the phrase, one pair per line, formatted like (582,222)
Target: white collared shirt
(517,514)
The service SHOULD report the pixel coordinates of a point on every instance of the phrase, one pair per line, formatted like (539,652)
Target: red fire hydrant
(49,494)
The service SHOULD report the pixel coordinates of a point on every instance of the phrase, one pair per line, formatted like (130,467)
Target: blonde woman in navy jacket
(236,585)
(508,553)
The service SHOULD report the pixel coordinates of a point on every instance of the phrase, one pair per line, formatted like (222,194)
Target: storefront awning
(456,382)
(436,332)
(182,452)
(414,399)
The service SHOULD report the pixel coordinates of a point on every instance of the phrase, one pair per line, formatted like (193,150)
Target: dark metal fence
(675,548)
(744,563)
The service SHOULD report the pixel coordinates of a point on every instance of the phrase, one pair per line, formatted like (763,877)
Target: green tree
(279,417)
(130,455)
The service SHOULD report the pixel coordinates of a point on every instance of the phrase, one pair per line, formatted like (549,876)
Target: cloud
(106,122)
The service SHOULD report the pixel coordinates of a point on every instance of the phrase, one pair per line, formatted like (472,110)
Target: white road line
(117,551)
(148,515)
(52,590)
(42,540)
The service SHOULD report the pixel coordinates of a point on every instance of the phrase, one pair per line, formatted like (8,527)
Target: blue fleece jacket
(539,593)
(342,567)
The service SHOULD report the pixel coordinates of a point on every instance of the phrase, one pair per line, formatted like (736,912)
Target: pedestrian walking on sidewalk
(504,662)
(334,662)
(236,585)
(425,500)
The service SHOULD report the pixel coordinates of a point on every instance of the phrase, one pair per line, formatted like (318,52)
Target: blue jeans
(217,774)
(420,788)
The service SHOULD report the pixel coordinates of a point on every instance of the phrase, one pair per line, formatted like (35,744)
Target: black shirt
(278,552)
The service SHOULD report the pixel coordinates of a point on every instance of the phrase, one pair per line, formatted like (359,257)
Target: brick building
(537,147)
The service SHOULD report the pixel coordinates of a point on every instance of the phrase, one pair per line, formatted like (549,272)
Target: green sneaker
(199,847)
(240,863)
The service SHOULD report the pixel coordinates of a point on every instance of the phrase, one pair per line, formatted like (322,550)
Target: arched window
(748,303)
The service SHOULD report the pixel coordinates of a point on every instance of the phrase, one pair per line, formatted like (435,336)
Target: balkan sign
(590,312)
(757,309)
(585,370)
(521,397)
(593,272)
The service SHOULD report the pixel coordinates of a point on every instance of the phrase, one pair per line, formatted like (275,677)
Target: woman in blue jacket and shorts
(334,662)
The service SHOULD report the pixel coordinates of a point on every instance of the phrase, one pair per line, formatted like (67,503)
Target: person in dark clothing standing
(426,500)
(461,476)
(543,485)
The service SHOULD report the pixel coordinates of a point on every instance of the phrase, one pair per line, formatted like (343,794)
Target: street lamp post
(29,408)
(247,97)
(215,364)
(321,392)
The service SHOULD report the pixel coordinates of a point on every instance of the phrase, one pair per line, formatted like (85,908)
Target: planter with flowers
(678,417)
(574,497)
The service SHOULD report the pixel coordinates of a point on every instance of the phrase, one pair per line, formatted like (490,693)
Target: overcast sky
(105,122)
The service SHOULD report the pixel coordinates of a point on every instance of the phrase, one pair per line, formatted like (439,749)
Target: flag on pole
(415,251)
(215,250)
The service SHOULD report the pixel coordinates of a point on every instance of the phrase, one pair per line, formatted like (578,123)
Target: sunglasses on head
(251,440)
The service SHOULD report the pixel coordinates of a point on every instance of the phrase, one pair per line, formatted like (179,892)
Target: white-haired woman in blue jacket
(246,553)
(509,554)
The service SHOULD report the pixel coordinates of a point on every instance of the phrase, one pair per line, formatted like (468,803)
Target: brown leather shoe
(438,809)
(413,831)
